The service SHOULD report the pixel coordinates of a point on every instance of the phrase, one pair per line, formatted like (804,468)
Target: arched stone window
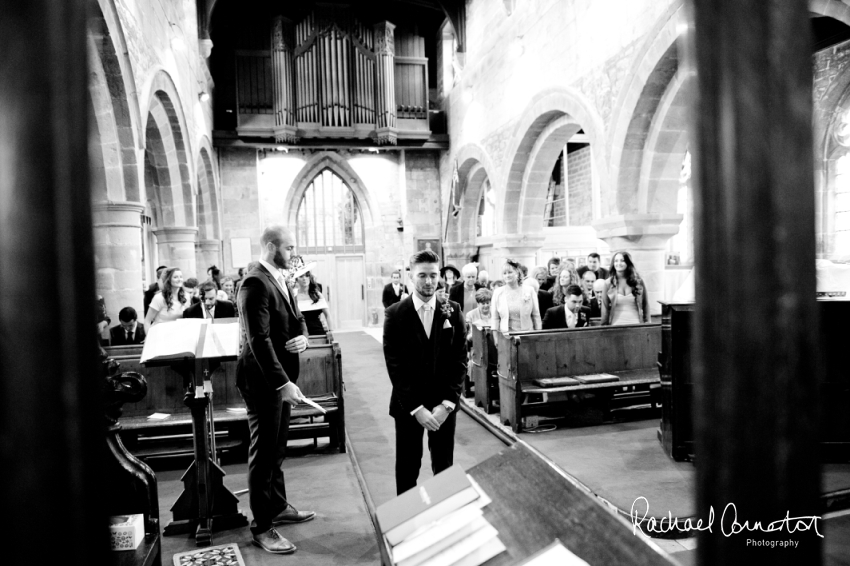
(329,220)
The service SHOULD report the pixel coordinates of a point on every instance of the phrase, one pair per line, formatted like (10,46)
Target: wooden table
(533,504)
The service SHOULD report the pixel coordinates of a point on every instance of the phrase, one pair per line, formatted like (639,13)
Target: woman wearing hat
(311,302)
(449,275)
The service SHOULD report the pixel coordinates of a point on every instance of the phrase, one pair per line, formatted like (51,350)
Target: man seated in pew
(570,314)
(480,316)
(210,306)
(128,331)
(591,301)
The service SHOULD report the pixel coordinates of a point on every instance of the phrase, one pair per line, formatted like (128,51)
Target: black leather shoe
(271,541)
(290,515)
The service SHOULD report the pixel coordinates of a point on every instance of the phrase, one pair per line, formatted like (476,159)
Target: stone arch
(655,67)
(115,104)
(166,139)
(666,144)
(545,109)
(337,164)
(209,220)
(535,179)
(474,167)
(835,9)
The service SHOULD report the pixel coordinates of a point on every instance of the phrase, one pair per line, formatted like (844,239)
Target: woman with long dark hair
(168,304)
(625,298)
(311,302)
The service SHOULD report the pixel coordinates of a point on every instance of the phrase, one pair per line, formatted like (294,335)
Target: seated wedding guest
(479,316)
(154,287)
(553,267)
(394,291)
(227,292)
(128,331)
(168,304)
(566,276)
(514,306)
(463,293)
(484,279)
(591,301)
(541,274)
(544,298)
(593,261)
(568,315)
(311,302)
(624,300)
(191,288)
(210,306)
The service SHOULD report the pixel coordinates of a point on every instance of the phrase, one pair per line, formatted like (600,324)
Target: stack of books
(440,523)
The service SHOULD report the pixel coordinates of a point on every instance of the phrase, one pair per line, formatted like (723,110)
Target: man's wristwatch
(447,407)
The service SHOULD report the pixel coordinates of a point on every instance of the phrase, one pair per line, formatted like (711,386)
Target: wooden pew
(320,378)
(483,368)
(629,352)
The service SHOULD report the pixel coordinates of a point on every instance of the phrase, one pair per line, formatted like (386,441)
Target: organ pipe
(283,90)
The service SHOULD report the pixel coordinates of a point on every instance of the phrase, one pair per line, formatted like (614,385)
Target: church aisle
(371,429)
(341,533)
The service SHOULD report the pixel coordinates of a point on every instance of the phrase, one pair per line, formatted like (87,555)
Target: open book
(191,338)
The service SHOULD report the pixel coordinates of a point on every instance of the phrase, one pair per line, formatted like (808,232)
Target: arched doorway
(329,231)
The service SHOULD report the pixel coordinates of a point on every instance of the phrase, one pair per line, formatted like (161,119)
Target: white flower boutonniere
(447,311)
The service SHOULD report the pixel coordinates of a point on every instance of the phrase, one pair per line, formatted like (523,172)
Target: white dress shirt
(423,316)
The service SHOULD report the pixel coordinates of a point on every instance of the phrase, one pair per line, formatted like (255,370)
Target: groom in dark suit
(425,351)
(273,335)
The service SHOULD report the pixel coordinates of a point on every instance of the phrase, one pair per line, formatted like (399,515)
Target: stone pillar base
(645,237)
(176,247)
(118,255)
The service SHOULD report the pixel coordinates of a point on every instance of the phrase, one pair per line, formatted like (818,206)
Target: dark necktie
(129,337)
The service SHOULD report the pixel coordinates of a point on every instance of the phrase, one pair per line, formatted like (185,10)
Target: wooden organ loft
(330,76)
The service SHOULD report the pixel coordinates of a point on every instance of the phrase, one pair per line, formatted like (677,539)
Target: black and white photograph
(425,282)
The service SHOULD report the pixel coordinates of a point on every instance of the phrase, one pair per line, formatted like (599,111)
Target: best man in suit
(425,351)
(394,291)
(210,307)
(273,335)
(129,331)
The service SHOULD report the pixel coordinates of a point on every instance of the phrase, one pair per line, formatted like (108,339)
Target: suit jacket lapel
(286,300)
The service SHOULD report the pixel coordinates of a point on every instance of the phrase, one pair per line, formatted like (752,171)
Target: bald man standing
(273,335)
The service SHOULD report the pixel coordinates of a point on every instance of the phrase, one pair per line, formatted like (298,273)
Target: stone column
(176,247)
(458,253)
(207,253)
(645,237)
(520,247)
(118,255)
